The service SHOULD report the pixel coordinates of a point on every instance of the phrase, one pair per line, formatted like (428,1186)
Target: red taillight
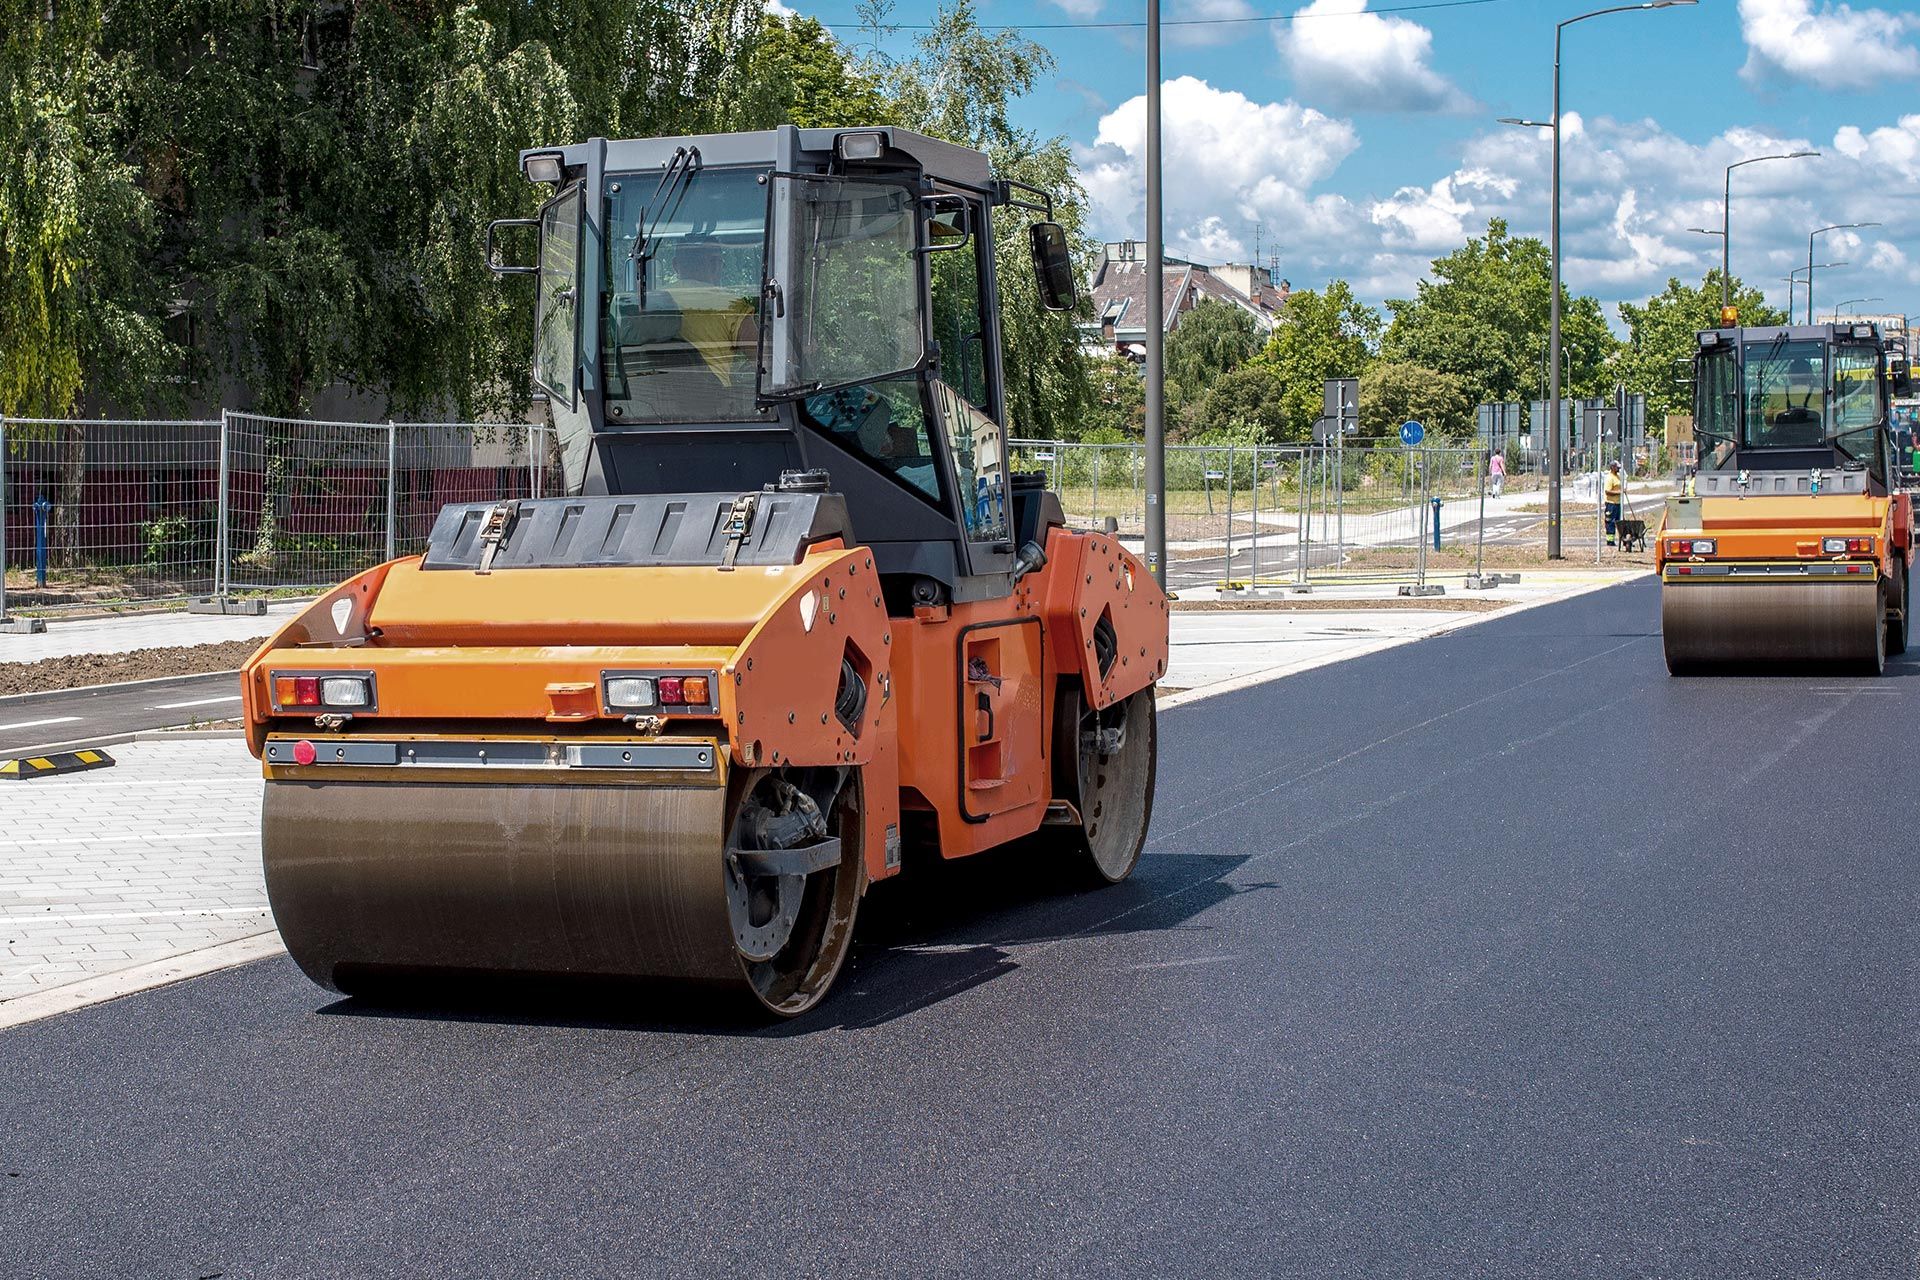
(306,691)
(671,693)
(1680,547)
(1859,545)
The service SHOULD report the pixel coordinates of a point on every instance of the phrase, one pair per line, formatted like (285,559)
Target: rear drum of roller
(1761,625)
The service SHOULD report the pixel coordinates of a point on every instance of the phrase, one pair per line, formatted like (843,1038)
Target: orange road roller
(793,622)
(1792,548)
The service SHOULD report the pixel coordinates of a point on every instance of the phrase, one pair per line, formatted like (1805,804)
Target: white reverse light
(629,691)
(343,691)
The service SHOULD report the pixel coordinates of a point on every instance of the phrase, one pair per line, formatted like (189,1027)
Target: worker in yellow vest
(1616,489)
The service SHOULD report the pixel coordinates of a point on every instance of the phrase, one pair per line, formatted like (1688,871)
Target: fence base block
(1431,589)
(22,626)
(220,604)
(1486,582)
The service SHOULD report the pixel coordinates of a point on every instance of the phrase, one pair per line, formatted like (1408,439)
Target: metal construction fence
(1285,515)
(102,513)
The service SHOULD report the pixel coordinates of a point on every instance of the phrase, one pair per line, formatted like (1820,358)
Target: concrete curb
(189,735)
(123,684)
(141,977)
(1458,622)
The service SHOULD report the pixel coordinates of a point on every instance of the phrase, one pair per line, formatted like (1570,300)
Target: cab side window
(954,266)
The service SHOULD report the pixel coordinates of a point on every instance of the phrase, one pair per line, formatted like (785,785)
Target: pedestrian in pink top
(1497,472)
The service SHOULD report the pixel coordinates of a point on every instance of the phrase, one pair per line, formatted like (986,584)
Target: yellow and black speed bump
(53,762)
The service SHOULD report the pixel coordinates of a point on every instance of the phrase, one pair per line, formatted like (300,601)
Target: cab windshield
(680,333)
(1802,393)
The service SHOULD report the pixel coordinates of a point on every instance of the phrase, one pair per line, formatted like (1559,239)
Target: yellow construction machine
(1793,548)
(792,624)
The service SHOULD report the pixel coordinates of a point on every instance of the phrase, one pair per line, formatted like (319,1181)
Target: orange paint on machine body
(976,684)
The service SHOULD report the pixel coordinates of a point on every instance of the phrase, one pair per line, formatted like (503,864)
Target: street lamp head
(1526,124)
(1668,4)
(1705,231)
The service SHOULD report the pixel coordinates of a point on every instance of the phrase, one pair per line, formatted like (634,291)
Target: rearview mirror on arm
(1052,265)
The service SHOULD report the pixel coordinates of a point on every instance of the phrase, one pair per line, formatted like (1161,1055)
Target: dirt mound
(111,668)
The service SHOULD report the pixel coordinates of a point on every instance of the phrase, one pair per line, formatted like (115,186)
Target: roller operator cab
(793,626)
(1793,549)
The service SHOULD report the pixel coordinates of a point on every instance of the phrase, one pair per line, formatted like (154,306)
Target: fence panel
(436,463)
(107,512)
(306,501)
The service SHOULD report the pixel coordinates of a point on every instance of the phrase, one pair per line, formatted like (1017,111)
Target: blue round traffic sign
(1412,433)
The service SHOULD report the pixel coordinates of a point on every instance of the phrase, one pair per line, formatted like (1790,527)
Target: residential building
(1119,295)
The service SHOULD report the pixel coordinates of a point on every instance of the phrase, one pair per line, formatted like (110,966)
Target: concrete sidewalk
(144,631)
(149,872)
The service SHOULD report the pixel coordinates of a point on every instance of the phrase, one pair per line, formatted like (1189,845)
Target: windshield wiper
(666,197)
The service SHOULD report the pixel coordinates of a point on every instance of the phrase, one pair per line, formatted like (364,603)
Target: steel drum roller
(540,879)
(1757,624)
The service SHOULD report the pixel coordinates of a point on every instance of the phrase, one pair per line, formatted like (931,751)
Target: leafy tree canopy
(1321,335)
(1661,343)
(1212,339)
(1483,318)
(1391,394)
(1247,405)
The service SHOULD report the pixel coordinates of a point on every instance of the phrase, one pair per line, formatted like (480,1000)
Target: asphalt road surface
(66,716)
(1500,954)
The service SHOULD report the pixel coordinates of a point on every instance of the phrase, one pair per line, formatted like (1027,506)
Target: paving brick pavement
(155,857)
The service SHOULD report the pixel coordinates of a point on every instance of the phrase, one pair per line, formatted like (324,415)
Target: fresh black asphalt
(1498,954)
(35,721)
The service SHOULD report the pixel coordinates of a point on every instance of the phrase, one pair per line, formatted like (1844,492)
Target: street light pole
(1838,307)
(1820,231)
(1726,216)
(1556,441)
(1793,278)
(1156,479)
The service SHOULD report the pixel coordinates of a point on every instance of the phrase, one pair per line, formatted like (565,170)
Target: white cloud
(1834,47)
(1353,60)
(1226,160)
(1631,192)
(779,10)
(1080,8)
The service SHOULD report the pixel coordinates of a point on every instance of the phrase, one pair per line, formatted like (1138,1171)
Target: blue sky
(1360,134)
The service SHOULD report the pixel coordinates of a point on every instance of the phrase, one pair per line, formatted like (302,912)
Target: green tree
(1119,398)
(1328,334)
(1247,405)
(960,86)
(799,74)
(1391,394)
(1483,317)
(1661,341)
(78,303)
(1212,339)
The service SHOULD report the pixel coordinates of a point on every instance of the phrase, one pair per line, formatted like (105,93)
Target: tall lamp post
(1555,433)
(1726,215)
(1842,306)
(1156,478)
(1820,231)
(1793,278)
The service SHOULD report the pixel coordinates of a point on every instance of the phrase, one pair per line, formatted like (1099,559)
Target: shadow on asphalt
(936,931)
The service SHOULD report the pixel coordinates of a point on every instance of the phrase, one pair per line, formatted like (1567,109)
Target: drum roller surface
(1756,625)
(369,879)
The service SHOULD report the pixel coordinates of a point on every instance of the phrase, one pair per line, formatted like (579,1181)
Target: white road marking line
(197,702)
(135,915)
(35,724)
